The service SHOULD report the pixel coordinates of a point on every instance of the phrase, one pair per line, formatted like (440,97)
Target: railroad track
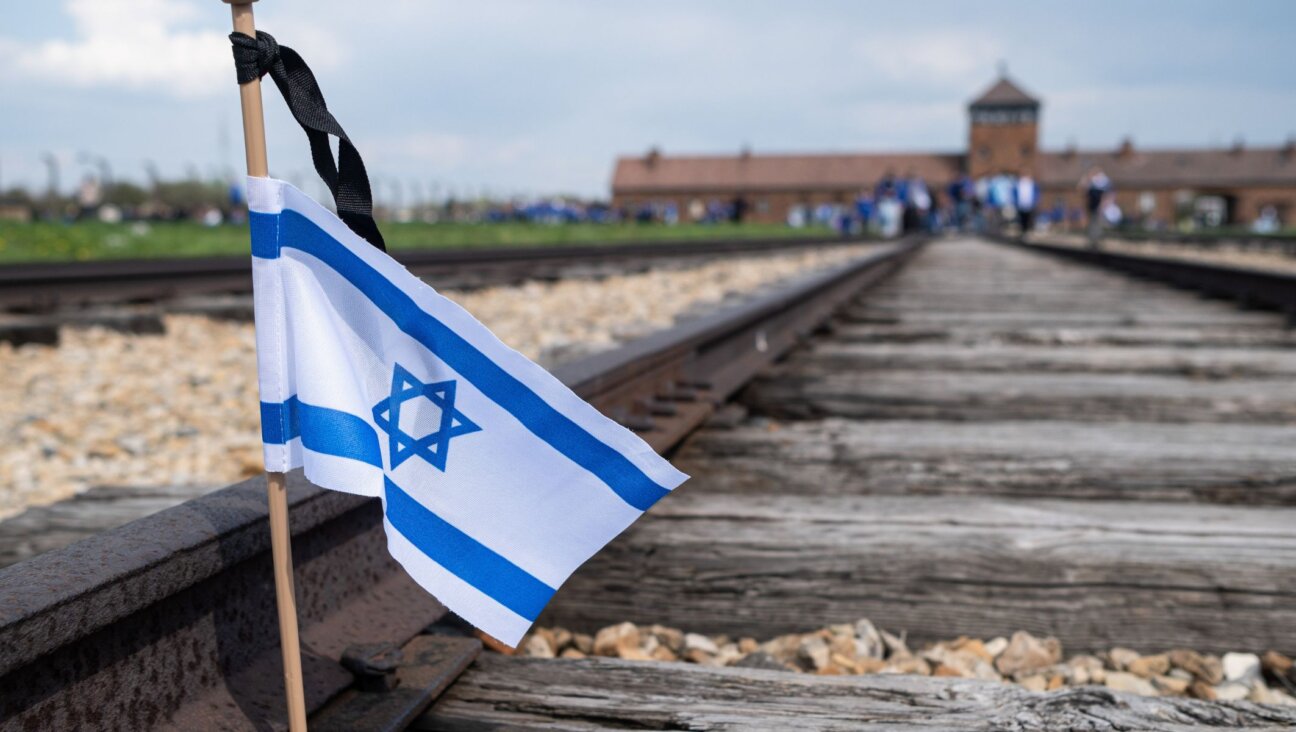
(986,439)
(1251,288)
(1280,243)
(169,620)
(47,286)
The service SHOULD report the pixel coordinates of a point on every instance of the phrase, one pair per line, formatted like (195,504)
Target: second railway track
(46,285)
(989,440)
(992,440)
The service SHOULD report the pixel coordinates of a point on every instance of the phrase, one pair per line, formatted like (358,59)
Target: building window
(1003,115)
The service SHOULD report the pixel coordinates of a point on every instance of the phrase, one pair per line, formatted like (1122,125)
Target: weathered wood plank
(1220,463)
(909,294)
(952,289)
(1023,317)
(806,390)
(973,292)
(1137,300)
(1095,574)
(1196,363)
(1055,335)
(787,527)
(501,692)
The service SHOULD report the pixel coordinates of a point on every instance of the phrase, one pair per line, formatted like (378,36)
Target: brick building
(1165,185)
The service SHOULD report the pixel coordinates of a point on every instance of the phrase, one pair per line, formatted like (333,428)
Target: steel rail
(169,621)
(1245,241)
(45,285)
(1252,288)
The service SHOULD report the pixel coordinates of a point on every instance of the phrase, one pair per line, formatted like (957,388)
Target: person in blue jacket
(864,210)
(960,195)
(1025,199)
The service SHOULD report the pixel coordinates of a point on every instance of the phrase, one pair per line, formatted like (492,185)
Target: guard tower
(1004,131)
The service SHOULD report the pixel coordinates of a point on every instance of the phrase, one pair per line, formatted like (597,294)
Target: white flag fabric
(497,481)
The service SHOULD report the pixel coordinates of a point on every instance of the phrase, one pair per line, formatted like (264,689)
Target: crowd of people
(895,205)
(901,204)
(905,204)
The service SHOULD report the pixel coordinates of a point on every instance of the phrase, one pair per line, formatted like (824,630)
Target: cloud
(515,94)
(448,152)
(166,46)
(441,149)
(940,58)
(135,44)
(1094,115)
(929,126)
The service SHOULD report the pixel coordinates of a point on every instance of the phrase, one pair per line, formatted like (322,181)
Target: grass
(54,242)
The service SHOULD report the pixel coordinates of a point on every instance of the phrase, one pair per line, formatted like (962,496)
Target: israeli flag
(497,481)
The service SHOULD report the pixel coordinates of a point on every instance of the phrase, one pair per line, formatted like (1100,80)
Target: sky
(513,97)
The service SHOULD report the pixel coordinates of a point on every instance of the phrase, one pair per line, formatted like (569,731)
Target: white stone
(1262,694)
(538,647)
(868,642)
(1232,691)
(699,642)
(995,646)
(1241,667)
(1128,682)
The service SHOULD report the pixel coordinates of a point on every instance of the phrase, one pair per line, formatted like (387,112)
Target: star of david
(434,446)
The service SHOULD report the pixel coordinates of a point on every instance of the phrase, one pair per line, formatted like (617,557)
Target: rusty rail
(1249,287)
(169,621)
(43,285)
(1245,241)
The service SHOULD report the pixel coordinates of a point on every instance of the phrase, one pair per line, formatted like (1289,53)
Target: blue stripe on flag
(273,424)
(554,427)
(465,557)
(323,430)
(265,234)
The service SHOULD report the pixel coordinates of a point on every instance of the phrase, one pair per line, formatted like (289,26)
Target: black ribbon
(346,178)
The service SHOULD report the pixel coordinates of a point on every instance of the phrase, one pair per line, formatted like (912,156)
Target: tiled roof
(1004,93)
(775,172)
(1136,168)
(1161,168)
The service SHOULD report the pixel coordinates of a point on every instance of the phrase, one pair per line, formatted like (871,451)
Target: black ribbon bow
(346,178)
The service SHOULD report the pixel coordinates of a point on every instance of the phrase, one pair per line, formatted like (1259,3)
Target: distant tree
(191,195)
(125,195)
(17,196)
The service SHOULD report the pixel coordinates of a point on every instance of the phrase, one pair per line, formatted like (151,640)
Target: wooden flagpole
(254,143)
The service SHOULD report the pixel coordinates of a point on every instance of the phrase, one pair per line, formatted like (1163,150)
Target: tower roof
(1004,93)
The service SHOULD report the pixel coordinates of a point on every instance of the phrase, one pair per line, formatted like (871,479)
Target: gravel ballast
(106,408)
(1037,664)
